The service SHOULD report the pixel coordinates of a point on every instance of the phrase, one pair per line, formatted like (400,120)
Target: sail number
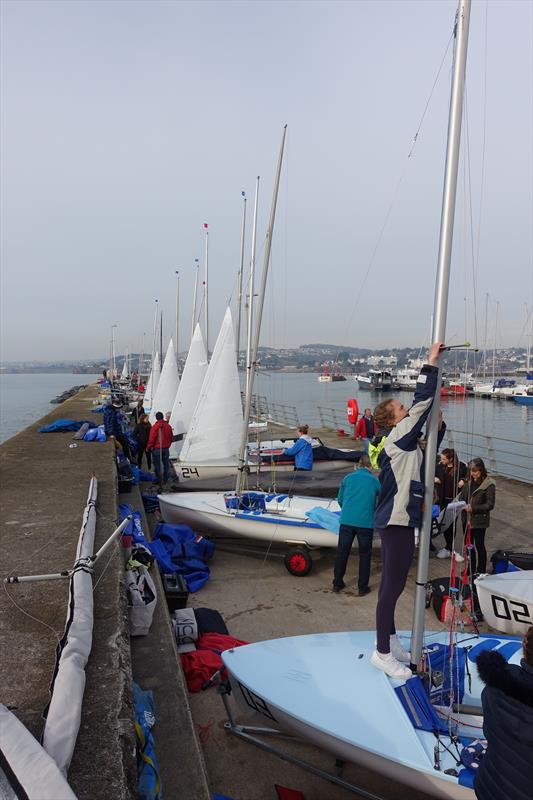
(189,472)
(510,609)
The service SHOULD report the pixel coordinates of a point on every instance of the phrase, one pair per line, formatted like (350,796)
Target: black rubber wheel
(299,562)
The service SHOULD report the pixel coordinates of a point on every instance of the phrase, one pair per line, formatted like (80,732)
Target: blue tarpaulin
(330,520)
(179,550)
(61,425)
(148,781)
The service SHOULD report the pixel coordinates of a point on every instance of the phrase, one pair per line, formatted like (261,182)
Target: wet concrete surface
(43,491)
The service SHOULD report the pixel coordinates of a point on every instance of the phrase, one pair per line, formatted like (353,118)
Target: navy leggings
(397,548)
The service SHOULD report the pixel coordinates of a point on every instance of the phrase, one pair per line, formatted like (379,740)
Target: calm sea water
(26,398)
(511,425)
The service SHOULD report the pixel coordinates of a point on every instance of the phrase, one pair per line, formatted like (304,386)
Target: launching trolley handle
(86,564)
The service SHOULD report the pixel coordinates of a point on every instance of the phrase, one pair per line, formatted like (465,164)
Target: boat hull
(357,716)
(206,512)
(189,474)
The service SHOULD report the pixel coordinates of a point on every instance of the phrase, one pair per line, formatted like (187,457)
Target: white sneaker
(443,553)
(458,557)
(390,665)
(397,650)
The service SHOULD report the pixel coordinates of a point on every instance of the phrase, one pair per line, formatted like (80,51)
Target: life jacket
(374,449)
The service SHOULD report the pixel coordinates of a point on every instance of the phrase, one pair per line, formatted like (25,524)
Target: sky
(125,126)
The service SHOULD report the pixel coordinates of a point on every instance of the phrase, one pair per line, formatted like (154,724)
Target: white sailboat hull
(206,511)
(506,601)
(188,473)
(324,689)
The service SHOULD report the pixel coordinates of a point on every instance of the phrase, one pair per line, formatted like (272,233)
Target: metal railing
(264,409)
(508,457)
(332,418)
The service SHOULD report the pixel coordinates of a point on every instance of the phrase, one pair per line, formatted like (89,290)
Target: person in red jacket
(366,428)
(159,441)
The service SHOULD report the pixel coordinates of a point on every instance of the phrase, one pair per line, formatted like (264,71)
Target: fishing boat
(324,688)
(376,380)
(330,377)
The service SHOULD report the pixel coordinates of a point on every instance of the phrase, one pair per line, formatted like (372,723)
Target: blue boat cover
(414,699)
(178,550)
(454,672)
(330,520)
(65,425)
(247,501)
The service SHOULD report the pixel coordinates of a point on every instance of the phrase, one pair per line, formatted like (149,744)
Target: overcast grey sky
(127,125)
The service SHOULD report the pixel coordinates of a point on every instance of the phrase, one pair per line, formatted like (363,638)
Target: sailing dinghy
(506,600)
(167,385)
(151,386)
(416,730)
(188,391)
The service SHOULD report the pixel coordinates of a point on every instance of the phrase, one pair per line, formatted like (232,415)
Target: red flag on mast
(206,225)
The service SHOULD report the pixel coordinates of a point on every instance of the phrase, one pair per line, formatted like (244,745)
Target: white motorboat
(406,379)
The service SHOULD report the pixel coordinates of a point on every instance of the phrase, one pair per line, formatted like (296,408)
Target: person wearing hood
(479,492)
(301,450)
(506,768)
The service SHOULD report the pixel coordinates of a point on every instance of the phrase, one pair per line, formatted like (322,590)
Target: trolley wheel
(298,562)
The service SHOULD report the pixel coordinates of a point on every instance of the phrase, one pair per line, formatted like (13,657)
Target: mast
(161,341)
(193,321)
(206,296)
(485,343)
(141,359)
(251,369)
(177,313)
(251,292)
(495,337)
(239,299)
(440,308)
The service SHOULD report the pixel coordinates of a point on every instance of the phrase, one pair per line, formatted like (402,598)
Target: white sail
(124,373)
(63,715)
(27,770)
(189,389)
(151,386)
(167,386)
(217,422)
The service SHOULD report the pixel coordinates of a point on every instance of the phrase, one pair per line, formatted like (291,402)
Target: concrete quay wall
(43,491)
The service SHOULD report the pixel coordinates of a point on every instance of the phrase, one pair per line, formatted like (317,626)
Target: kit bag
(442,600)
(142,599)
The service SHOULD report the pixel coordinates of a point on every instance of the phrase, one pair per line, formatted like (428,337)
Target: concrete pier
(43,490)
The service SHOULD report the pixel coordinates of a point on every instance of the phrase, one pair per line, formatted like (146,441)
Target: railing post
(491,454)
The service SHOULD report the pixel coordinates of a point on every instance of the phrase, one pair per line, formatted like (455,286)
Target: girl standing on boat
(480,493)
(399,507)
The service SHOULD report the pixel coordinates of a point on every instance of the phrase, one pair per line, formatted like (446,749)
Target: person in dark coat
(115,425)
(506,770)
(479,492)
(450,477)
(141,434)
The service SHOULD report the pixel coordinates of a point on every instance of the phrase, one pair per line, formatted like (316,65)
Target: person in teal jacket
(357,497)
(302,450)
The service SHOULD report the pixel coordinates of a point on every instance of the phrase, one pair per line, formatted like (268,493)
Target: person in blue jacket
(302,450)
(357,498)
